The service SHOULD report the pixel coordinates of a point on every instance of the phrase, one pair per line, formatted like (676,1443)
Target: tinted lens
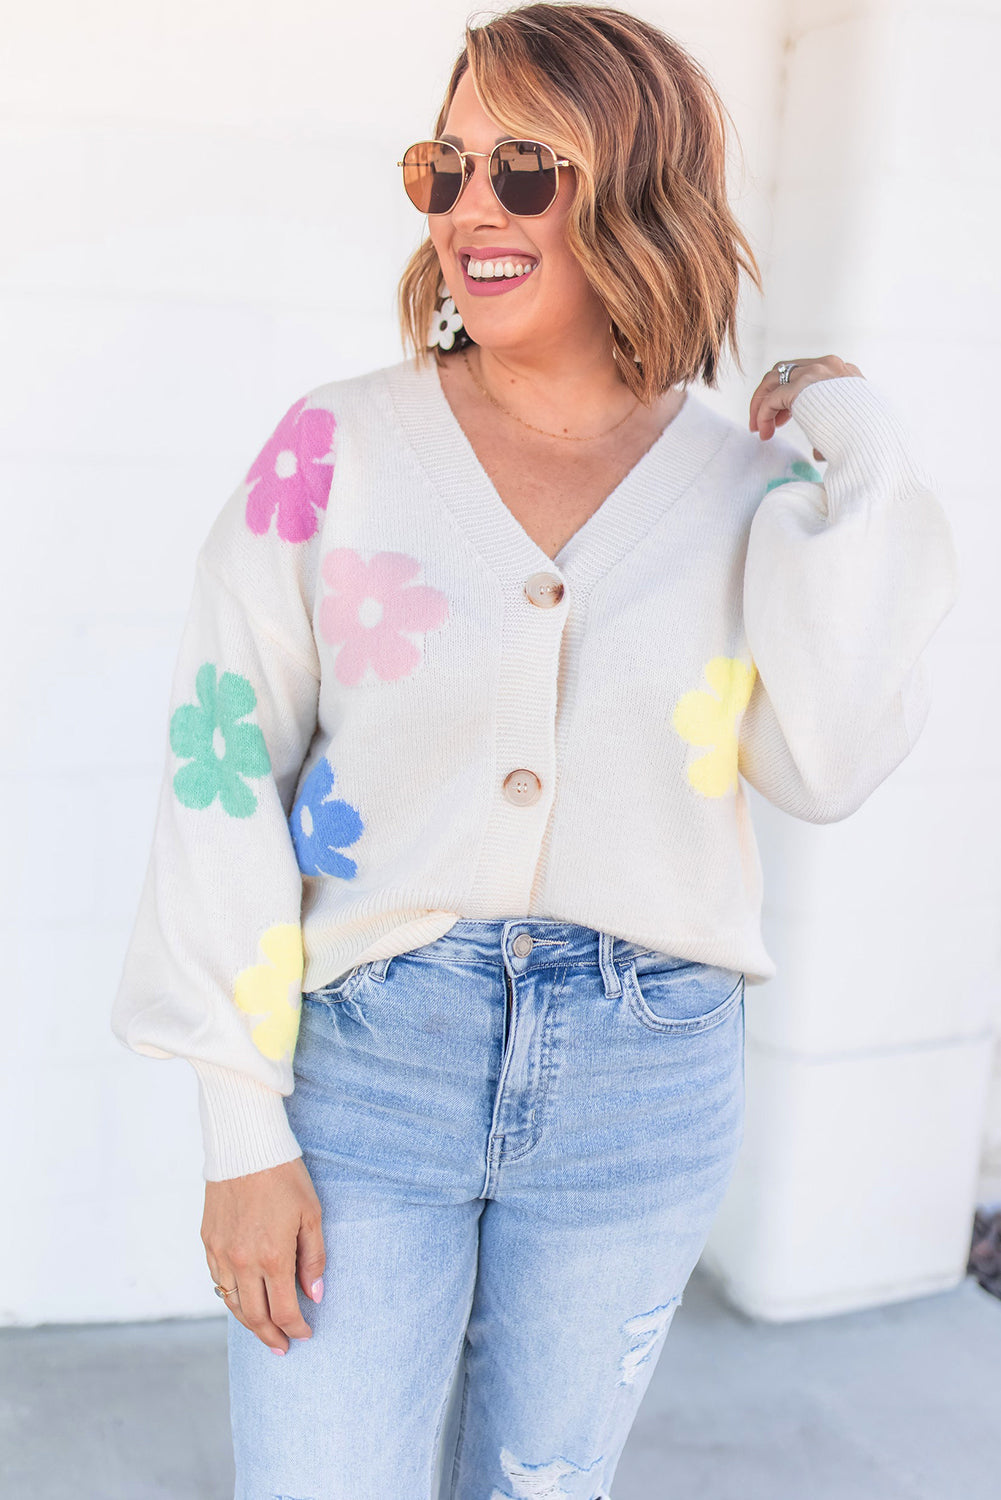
(524,176)
(432,176)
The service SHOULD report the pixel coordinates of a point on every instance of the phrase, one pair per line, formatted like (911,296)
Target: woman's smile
(492,276)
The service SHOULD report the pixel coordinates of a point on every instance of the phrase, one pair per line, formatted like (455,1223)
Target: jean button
(522,945)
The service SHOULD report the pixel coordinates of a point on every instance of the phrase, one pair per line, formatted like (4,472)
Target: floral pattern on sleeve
(220,749)
(800,470)
(710,719)
(291,476)
(265,990)
(322,825)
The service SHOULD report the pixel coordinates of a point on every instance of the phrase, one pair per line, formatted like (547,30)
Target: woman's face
(554,307)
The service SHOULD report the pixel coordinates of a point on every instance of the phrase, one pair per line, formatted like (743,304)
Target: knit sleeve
(845,582)
(213,968)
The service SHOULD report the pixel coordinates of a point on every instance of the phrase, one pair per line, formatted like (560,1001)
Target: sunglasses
(525,176)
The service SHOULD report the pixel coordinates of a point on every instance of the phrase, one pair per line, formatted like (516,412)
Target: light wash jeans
(519,1135)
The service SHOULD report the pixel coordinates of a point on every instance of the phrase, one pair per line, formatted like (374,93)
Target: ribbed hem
(854,425)
(244,1124)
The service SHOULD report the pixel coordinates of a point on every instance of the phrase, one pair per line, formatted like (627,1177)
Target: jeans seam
(546,1052)
(444,1405)
(461,1432)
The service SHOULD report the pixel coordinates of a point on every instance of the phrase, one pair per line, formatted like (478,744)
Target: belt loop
(379,968)
(606,963)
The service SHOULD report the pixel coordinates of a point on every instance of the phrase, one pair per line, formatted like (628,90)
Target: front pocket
(339,989)
(685,998)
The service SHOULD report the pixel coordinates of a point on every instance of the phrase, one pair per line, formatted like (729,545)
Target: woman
(453,893)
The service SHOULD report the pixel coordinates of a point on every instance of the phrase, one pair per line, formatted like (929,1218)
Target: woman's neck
(557,398)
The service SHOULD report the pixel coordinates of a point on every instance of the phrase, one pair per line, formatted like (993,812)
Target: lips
(497,253)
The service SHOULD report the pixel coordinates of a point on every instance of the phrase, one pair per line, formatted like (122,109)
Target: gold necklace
(567,437)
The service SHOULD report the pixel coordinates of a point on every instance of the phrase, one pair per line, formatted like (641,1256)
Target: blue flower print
(800,470)
(321,825)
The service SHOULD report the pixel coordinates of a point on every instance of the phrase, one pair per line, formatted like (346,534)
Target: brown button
(543,589)
(523,944)
(522,787)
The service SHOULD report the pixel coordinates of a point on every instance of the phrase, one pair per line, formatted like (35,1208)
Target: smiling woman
(454,892)
(641,233)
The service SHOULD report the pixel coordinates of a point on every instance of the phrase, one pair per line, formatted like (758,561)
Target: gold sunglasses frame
(467,172)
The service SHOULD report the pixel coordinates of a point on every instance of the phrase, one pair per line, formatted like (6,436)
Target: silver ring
(783,367)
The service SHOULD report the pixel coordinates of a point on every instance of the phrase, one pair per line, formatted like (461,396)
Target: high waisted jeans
(519,1135)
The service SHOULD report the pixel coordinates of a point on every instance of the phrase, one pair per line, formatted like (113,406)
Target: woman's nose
(476,189)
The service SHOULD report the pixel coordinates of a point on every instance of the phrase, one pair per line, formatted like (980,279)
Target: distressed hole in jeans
(537,1481)
(644,1332)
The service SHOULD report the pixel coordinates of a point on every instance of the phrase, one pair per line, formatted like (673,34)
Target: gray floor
(897,1403)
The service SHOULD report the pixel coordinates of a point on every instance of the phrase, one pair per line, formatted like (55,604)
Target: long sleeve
(845,582)
(214,965)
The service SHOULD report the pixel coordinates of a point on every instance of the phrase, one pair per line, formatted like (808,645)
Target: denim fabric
(519,1157)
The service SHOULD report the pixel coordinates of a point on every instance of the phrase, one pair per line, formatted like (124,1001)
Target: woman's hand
(771,402)
(256,1230)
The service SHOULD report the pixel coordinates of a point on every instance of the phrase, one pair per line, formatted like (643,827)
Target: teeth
(497,270)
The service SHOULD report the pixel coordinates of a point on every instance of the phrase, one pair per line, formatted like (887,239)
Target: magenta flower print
(291,475)
(373,610)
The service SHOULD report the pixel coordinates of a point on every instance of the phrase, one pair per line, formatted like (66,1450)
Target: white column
(869,1056)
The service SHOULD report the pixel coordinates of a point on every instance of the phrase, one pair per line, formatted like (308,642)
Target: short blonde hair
(650,222)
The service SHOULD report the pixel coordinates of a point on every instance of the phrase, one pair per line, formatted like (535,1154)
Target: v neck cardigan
(391,709)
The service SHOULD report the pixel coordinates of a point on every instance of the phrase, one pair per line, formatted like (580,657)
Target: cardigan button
(543,589)
(522,787)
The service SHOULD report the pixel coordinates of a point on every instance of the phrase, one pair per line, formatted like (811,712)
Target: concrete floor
(896,1403)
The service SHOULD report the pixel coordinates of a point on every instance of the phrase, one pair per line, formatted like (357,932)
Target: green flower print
(800,470)
(222,751)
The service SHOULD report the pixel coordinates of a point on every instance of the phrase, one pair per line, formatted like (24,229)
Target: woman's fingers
(773,398)
(311,1253)
(224,1275)
(283,1301)
(251,1308)
(267,1302)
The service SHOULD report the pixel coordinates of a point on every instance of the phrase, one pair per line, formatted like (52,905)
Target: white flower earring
(446,323)
(615,348)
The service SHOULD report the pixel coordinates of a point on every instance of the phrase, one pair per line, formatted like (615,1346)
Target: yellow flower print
(263,990)
(704,718)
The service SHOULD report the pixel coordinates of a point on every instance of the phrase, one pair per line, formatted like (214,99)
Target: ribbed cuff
(855,426)
(244,1124)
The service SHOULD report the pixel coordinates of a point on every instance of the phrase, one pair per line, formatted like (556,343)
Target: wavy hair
(646,131)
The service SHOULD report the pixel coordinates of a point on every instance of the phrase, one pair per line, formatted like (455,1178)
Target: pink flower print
(372,610)
(292,474)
